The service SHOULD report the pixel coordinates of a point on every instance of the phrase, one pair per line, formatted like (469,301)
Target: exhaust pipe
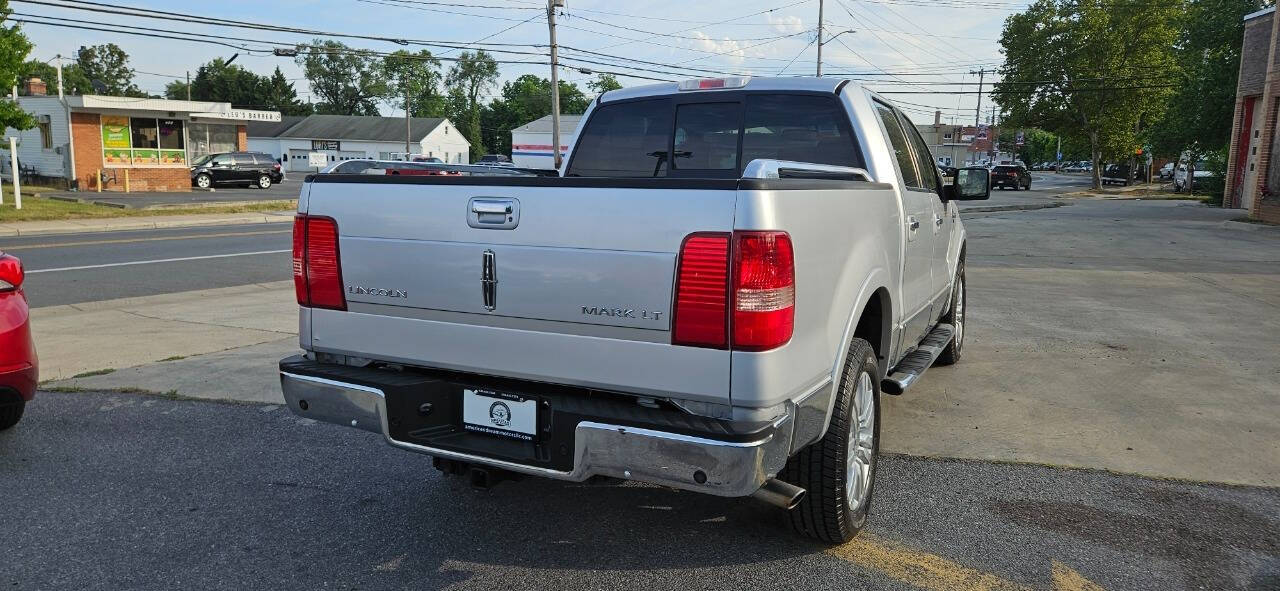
(780,494)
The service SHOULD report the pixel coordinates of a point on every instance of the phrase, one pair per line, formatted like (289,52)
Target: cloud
(785,24)
(731,49)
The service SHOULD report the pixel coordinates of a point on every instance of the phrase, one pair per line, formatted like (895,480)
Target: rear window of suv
(1006,169)
(715,138)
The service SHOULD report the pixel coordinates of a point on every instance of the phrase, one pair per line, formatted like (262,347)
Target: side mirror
(970,184)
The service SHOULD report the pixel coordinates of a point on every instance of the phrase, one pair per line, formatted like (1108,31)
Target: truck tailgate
(552,280)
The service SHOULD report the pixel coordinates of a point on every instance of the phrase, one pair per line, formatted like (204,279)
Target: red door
(1242,151)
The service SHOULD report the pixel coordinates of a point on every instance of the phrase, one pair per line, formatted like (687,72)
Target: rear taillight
(11,272)
(317,269)
(764,290)
(758,287)
(702,292)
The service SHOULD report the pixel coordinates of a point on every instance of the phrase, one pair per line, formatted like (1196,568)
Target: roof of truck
(802,83)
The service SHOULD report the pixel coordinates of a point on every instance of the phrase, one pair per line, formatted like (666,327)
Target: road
(119,491)
(76,268)
(277,192)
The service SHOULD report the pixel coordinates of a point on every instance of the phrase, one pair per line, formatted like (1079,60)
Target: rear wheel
(955,317)
(10,410)
(838,471)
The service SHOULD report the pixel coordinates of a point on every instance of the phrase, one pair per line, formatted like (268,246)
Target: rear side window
(624,140)
(706,137)
(797,128)
(243,159)
(898,142)
(924,160)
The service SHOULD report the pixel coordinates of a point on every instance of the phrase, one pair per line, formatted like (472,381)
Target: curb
(142,223)
(1250,227)
(998,208)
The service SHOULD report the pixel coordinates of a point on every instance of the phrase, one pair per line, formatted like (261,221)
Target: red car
(18,369)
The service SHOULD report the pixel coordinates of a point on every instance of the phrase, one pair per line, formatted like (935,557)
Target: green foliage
(176,90)
(218,81)
(1088,68)
(417,76)
(470,76)
(348,81)
(14,48)
(74,81)
(523,100)
(1199,112)
(604,83)
(108,65)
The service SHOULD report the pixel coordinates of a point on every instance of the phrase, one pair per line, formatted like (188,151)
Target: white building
(350,137)
(531,142)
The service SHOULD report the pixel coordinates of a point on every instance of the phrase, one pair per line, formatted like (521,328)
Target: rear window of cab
(712,138)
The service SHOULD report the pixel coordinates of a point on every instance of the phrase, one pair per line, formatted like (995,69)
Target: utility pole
(59,58)
(555,80)
(188,85)
(977,111)
(408,124)
(819,38)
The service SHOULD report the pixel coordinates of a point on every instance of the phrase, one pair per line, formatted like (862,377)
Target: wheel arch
(873,317)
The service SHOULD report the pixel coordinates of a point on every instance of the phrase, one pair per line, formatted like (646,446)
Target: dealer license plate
(499,413)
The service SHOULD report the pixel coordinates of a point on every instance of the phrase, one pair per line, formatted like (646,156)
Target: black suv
(250,169)
(1011,175)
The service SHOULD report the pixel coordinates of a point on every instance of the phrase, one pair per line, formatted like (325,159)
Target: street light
(833,37)
(821,42)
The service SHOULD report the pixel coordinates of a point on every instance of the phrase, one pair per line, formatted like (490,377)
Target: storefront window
(143,141)
(172,142)
(208,138)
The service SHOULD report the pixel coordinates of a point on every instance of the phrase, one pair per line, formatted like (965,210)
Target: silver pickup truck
(710,295)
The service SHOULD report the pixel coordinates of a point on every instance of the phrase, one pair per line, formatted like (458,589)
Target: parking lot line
(935,573)
(173,260)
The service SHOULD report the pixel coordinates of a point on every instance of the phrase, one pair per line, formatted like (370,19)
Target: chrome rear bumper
(722,468)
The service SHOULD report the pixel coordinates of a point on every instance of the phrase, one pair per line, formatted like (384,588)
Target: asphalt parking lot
(121,491)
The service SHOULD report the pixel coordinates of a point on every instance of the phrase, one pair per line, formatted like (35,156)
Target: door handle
(493,213)
(491,207)
(937,221)
(913,223)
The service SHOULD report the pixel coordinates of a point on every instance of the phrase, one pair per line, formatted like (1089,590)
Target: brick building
(150,142)
(1252,183)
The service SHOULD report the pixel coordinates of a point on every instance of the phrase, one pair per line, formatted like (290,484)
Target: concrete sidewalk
(141,223)
(114,334)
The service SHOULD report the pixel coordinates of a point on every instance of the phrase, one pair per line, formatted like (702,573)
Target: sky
(897,46)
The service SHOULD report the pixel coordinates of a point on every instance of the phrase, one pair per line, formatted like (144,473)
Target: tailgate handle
(493,213)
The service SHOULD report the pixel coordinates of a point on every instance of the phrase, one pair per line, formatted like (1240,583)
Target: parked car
(19,370)
(1010,175)
(249,169)
(1116,174)
(1166,171)
(495,159)
(948,171)
(698,341)
(1201,172)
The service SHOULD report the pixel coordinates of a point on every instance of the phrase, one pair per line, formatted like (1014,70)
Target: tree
(278,94)
(469,77)
(416,76)
(348,81)
(73,79)
(523,100)
(108,71)
(177,90)
(1198,116)
(14,48)
(604,83)
(1092,67)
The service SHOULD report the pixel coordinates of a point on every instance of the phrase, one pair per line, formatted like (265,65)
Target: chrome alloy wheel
(861,452)
(959,315)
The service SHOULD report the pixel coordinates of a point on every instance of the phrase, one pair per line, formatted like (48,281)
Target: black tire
(204,181)
(264,182)
(11,413)
(821,468)
(955,317)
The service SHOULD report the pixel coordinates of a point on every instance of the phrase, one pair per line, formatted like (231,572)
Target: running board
(918,361)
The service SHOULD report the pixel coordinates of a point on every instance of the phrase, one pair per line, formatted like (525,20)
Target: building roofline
(1264,11)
